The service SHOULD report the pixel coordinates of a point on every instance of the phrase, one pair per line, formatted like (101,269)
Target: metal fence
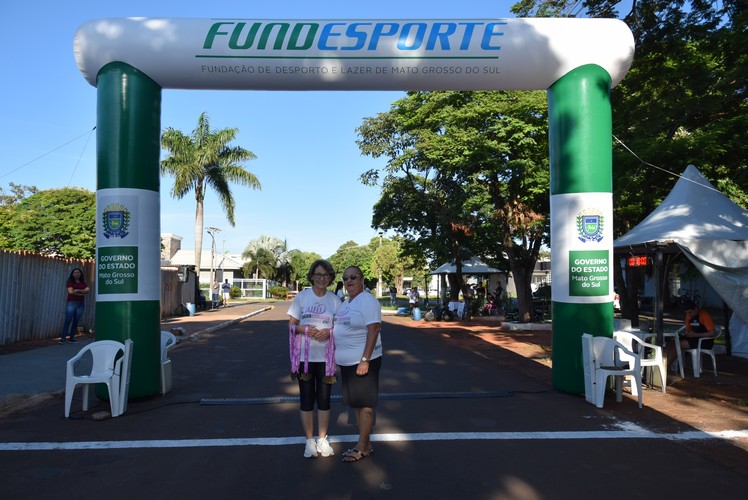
(32,295)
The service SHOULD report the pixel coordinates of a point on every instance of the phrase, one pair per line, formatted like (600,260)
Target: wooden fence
(32,295)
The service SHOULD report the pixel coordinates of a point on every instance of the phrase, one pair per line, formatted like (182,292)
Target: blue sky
(307,158)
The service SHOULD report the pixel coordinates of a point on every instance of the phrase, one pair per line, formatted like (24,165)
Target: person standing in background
(226,288)
(339,291)
(393,295)
(214,293)
(77,290)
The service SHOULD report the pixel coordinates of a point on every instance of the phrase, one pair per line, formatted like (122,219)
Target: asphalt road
(452,423)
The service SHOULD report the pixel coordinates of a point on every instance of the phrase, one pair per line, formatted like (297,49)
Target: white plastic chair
(122,371)
(589,369)
(629,340)
(106,369)
(168,341)
(699,351)
(606,362)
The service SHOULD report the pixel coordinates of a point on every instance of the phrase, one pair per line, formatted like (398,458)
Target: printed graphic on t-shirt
(343,317)
(316,315)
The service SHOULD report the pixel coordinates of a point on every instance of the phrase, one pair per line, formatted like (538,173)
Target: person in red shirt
(77,291)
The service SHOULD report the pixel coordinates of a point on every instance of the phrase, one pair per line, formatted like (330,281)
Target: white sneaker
(324,448)
(311,449)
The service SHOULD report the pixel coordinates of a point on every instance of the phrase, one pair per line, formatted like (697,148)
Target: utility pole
(212,231)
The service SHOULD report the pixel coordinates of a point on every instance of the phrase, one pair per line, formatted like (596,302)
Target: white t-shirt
(316,311)
(351,321)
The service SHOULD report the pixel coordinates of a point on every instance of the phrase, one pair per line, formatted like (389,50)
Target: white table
(456,307)
(675,337)
(671,336)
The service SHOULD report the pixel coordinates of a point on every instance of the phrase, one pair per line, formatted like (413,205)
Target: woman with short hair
(358,352)
(312,350)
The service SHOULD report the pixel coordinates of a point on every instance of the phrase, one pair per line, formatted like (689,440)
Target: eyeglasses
(352,277)
(321,275)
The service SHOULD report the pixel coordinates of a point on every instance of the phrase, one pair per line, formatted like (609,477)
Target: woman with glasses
(358,352)
(312,350)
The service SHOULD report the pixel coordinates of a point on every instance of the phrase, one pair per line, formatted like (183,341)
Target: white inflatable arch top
(374,54)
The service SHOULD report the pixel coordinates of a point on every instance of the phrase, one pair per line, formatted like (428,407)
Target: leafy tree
(467,174)
(300,264)
(8,204)
(284,267)
(351,253)
(387,261)
(418,200)
(206,159)
(53,222)
(682,102)
(17,193)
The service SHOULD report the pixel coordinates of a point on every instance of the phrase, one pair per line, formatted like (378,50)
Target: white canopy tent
(470,267)
(473,266)
(711,231)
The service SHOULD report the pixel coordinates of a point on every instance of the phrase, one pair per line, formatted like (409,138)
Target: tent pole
(726,313)
(658,299)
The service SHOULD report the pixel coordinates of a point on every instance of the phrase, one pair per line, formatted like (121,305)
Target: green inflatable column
(128,257)
(581,217)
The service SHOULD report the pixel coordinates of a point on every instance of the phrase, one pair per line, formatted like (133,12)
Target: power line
(660,168)
(48,152)
(81,155)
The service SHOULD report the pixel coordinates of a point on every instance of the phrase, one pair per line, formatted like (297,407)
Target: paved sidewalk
(36,375)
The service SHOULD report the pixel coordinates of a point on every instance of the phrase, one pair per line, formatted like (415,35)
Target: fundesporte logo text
(363,36)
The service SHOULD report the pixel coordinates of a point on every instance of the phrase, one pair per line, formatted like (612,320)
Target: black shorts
(693,343)
(361,392)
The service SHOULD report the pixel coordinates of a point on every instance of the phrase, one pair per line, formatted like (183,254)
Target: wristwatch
(364,358)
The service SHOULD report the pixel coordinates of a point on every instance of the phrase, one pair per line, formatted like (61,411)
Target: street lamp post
(212,231)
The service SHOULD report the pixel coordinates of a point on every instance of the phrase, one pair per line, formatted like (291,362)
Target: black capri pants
(314,389)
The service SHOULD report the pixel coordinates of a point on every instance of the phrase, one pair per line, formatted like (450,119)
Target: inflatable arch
(130,60)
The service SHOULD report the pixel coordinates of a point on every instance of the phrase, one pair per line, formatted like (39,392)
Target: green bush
(278,292)
(235,292)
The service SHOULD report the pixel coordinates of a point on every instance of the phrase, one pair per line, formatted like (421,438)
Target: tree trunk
(198,236)
(522,280)
(455,281)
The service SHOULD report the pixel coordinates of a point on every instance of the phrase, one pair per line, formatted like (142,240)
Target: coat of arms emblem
(590,225)
(116,220)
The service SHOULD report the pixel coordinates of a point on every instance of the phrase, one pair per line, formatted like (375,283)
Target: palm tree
(274,251)
(262,264)
(205,159)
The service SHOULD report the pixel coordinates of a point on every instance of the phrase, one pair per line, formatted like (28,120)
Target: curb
(16,403)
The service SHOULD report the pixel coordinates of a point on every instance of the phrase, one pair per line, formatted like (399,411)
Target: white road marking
(628,433)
